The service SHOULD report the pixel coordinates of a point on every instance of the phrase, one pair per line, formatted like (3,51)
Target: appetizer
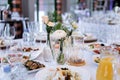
(118,49)
(3,60)
(32,65)
(1,42)
(96,51)
(28,49)
(97,59)
(96,45)
(64,74)
(3,45)
(17,58)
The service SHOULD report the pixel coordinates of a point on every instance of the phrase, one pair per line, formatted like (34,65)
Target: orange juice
(105,69)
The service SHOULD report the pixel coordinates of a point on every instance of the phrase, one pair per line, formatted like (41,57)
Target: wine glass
(33,28)
(1,30)
(9,34)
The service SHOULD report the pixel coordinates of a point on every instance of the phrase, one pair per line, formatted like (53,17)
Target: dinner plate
(42,74)
(33,54)
(35,70)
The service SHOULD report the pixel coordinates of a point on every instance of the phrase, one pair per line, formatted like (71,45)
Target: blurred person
(82,4)
(116,3)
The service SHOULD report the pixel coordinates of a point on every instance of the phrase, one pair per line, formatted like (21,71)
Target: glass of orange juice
(106,68)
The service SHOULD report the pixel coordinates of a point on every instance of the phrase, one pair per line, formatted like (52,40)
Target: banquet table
(104,32)
(90,65)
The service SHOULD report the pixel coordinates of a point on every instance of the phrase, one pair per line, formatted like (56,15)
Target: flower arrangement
(49,27)
(59,32)
(60,35)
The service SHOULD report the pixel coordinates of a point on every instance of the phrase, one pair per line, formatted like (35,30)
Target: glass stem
(61,46)
(49,43)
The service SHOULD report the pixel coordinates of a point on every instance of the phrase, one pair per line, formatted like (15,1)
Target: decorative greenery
(48,29)
(54,17)
(60,26)
(61,59)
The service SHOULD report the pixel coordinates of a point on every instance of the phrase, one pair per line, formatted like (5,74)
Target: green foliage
(59,26)
(48,29)
(52,16)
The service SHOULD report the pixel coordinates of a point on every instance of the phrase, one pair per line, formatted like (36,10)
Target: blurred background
(34,8)
(17,12)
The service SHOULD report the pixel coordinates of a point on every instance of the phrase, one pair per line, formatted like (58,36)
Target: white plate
(33,71)
(36,70)
(41,75)
(33,54)
(92,49)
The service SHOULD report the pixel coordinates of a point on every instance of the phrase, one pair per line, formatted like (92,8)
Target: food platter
(33,52)
(33,66)
(51,71)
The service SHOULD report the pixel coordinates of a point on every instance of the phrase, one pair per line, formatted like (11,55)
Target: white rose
(45,19)
(74,25)
(59,34)
(116,9)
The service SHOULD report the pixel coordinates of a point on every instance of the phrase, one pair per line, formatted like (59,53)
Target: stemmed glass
(34,29)
(9,34)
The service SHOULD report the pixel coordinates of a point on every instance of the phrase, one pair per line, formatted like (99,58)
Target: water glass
(75,55)
(9,32)
(34,30)
(25,37)
(78,40)
(47,54)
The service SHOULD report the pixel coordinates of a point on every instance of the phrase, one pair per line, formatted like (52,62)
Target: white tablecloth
(90,66)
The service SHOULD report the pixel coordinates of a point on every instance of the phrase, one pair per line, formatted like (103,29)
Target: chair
(101,5)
